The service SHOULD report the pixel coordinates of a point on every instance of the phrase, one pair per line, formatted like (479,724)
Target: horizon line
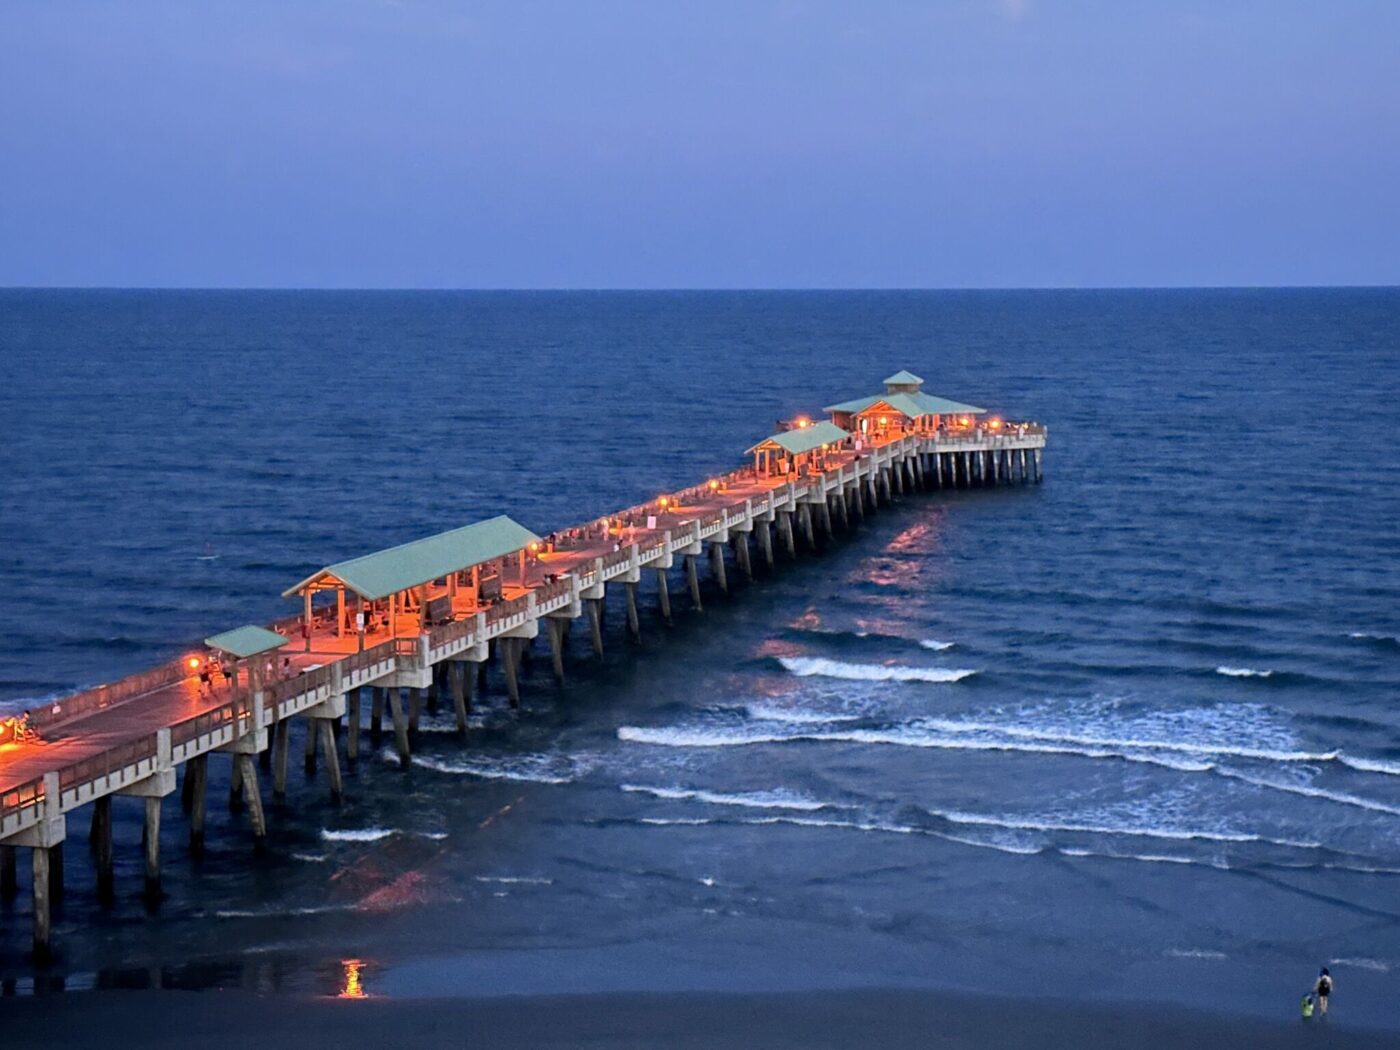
(619,289)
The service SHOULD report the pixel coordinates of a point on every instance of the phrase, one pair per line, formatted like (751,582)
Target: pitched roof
(804,439)
(246,641)
(911,405)
(902,378)
(389,571)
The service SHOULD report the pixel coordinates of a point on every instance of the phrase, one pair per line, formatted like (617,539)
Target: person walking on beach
(1323,989)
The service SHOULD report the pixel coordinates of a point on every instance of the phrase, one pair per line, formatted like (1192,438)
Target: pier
(379,638)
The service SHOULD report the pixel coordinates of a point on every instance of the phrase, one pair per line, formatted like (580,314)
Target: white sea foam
(282,913)
(1196,953)
(1243,672)
(1149,831)
(1363,964)
(795,716)
(806,666)
(532,769)
(747,799)
(357,834)
(1369,765)
(1146,858)
(310,858)
(935,645)
(677,822)
(1307,791)
(1370,637)
(515,880)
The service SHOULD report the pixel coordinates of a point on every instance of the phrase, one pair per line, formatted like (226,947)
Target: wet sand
(869,1018)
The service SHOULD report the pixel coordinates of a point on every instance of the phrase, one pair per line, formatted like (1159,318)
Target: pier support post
(826,519)
(198,775)
(332,760)
(556,646)
(310,761)
(9,879)
(460,684)
(1038,475)
(692,577)
(400,725)
(663,594)
(741,554)
(102,847)
(152,850)
(634,626)
(56,874)
(352,726)
(717,567)
(282,745)
(41,903)
(376,715)
(808,532)
(594,608)
(785,527)
(256,817)
(415,711)
(765,542)
(509,650)
(235,789)
(1025,476)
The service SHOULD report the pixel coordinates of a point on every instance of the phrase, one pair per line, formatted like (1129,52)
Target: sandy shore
(866,1019)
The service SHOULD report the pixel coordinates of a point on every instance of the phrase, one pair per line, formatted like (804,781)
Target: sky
(713,144)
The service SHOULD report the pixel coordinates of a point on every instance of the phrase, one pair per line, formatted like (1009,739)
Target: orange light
(663,502)
(351,987)
(534,546)
(193,661)
(803,422)
(995,424)
(713,484)
(884,421)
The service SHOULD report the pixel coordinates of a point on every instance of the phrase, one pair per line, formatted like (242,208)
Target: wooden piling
(235,789)
(376,715)
(152,848)
(507,650)
(634,626)
(765,542)
(556,646)
(9,878)
(40,889)
(102,846)
(741,555)
(717,567)
(279,759)
(352,726)
(310,749)
(460,683)
(692,578)
(332,759)
(199,776)
(594,608)
(415,711)
(256,817)
(663,594)
(400,725)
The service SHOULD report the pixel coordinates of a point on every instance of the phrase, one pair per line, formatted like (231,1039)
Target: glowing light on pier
(193,663)
(803,422)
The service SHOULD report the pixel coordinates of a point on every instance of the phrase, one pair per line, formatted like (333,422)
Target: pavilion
(424,576)
(902,408)
(801,446)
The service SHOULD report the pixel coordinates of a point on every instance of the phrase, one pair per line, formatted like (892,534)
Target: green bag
(1307,1006)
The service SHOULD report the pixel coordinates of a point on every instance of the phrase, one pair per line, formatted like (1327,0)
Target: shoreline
(893,1018)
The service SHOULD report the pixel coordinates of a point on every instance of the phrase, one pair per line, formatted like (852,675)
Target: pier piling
(396,713)
(663,594)
(692,578)
(198,774)
(102,848)
(634,626)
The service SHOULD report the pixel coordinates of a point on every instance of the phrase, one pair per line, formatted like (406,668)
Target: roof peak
(903,378)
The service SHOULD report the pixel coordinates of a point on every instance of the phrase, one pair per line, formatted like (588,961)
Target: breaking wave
(748,799)
(806,666)
(1150,831)
(357,834)
(936,646)
(1243,672)
(531,769)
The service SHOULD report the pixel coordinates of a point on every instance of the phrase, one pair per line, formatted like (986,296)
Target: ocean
(1127,734)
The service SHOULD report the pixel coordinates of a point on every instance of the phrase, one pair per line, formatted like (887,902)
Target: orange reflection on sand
(350,986)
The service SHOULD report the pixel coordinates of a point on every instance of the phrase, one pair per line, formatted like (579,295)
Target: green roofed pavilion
(243,642)
(378,575)
(803,439)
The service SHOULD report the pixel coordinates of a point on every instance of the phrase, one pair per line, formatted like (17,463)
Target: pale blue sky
(972,143)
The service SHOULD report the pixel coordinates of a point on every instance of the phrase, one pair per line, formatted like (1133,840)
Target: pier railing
(95,699)
(17,803)
(108,762)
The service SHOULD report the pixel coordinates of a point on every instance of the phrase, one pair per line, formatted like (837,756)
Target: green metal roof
(902,378)
(910,405)
(804,439)
(389,571)
(246,641)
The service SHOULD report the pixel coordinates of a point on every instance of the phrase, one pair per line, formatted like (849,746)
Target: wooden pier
(418,625)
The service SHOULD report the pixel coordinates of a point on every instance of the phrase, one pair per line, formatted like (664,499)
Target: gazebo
(403,578)
(791,450)
(903,407)
(243,643)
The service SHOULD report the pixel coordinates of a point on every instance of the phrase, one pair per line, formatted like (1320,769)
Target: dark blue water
(1131,732)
